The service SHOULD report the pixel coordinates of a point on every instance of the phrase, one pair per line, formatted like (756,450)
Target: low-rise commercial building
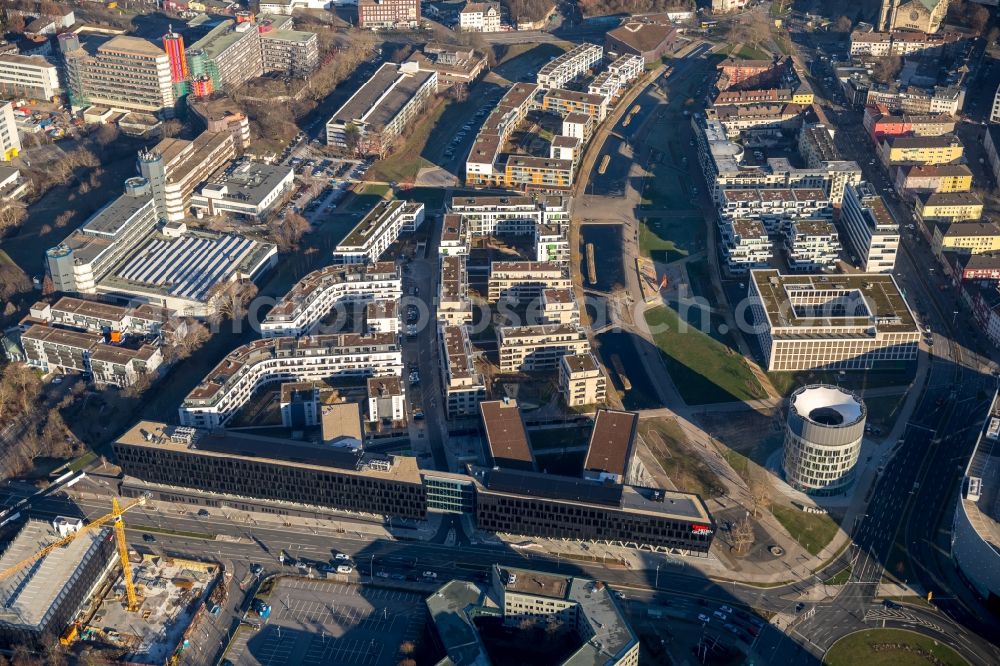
(377,230)
(581,380)
(534,348)
(525,279)
(464,386)
(230,384)
(849,322)
(376,114)
(573,63)
(870,229)
(479,17)
(251,190)
(454,65)
(645,38)
(318,293)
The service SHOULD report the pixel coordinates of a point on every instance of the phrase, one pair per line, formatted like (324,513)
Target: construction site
(81,582)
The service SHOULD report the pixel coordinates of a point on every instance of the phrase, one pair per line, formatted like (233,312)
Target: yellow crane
(119,526)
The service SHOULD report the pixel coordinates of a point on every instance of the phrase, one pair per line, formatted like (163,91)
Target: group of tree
(229,300)
(287,231)
(887,69)
(183,337)
(527,10)
(751,28)
(605,7)
(971,14)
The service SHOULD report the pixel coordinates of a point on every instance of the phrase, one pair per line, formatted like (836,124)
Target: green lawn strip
(402,166)
(81,462)
(891,647)
(854,380)
(840,577)
(699,278)
(813,531)
(747,52)
(668,444)
(431,197)
(703,369)
(163,530)
(668,239)
(366,195)
(883,410)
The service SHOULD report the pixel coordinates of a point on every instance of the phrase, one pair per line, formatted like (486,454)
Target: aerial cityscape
(527,332)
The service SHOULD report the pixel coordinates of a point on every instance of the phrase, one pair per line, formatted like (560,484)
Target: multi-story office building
(534,348)
(252,466)
(28,76)
(127,73)
(377,230)
(229,54)
(581,380)
(90,252)
(584,606)
(479,17)
(912,181)
(98,317)
(811,245)
(525,279)
(966,238)
(850,322)
(250,190)
(454,307)
(175,167)
(376,114)
(948,207)
(745,245)
(318,293)
(56,349)
(388,14)
(823,436)
(10,140)
(464,386)
(293,52)
(573,63)
(245,369)
(774,207)
(899,150)
(871,231)
(558,306)
(564,102)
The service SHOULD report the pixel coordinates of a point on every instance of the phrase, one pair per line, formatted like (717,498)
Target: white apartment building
(773,207)
(559,306)
(573,63)
(578,125)
(454,307)
(546,220)
(841,322)
(870,229)
(745,245)
(104,318)
(386,399)
(479,17)
(274,360)
(811,245)
(10,140)
(995,111)
(318,293)
(62,350)
(533,348)
(525,279)
(91,251)
(581,380)
(382,316)
(286,7)
(124,73)
(33,77)
(454,236)
(464,387)
(377,230)
(175,167)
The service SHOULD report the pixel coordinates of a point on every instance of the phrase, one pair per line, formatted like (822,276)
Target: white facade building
(745,245)
(10,140)
(479,17)
(464,387)
(377,230)
(823,436)
(533,348)
(573,63)
(870,229)
(28,76)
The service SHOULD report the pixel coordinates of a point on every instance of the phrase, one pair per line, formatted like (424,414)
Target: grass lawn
(882,410)
(403,165)
(812,530)
(855,380)
(779,8)
(703,369)
(668,444)
(366,195)
(431,197)
(890,647)
(699,279)
(671,238)
(783,42)
(747,52)
(840,577)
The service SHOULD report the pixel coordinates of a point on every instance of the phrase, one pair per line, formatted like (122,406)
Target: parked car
(344,569)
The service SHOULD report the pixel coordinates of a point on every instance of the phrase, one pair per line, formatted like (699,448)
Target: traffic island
(891,647)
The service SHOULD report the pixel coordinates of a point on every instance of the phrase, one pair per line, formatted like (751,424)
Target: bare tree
(760,493)
(15,23)
(742,535)
(887,69)
(230,299)
(171,128)
(288,231)
(184,337)
(11,215)
(13,281)
(352,138)
(842,24)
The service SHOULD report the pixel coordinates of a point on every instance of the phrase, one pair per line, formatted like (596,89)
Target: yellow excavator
(119,527)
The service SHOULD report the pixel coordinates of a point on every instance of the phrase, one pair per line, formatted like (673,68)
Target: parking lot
(317,622)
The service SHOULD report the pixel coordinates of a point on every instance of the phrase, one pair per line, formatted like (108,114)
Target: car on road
(203,513)
(725,609)
(148,538)
(256,569)
(720,615)
(382,574)
(343,557)
(704,618)
(344,569)
(430,575)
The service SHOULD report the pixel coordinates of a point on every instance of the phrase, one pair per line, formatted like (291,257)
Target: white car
(344,569)
(430,574)
(704,618)
(343,557)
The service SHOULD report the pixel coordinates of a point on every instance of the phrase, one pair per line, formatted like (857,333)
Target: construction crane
(119,527)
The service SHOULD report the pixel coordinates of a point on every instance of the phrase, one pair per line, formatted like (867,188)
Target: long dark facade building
(562,507)
(282,470)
